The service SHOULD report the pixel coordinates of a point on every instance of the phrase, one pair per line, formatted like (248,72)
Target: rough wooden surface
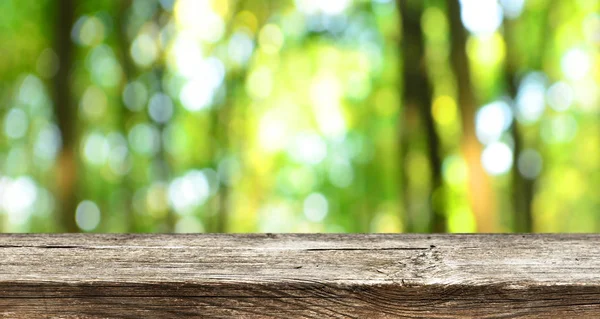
(300,276)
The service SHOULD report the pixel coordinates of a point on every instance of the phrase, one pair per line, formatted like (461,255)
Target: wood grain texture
(299,276)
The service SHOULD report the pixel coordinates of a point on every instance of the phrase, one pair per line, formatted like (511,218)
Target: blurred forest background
(299,116)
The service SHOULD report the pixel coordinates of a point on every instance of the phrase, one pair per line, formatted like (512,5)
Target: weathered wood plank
(299,276)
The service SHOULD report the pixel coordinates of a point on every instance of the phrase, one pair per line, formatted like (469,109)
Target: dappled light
(299,116)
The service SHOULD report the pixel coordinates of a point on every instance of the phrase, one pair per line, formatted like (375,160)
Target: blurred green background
(299,116)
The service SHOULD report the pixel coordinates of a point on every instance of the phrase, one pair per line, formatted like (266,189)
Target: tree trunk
(66,114)
(481,196)
(221,119)
(523,188)
(128,70)
(417,103)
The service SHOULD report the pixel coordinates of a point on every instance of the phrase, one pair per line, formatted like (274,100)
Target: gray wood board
(299,276)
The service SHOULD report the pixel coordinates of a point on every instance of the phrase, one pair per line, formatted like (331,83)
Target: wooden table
(299,276)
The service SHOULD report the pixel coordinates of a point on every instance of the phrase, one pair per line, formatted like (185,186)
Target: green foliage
(291,116)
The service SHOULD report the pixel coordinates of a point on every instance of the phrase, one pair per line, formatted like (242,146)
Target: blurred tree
(66,113)
(417,113)
(516,67)
(121,25)
(222,115)
(481,194)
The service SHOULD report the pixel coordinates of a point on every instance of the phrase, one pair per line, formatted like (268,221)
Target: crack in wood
(366,249)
